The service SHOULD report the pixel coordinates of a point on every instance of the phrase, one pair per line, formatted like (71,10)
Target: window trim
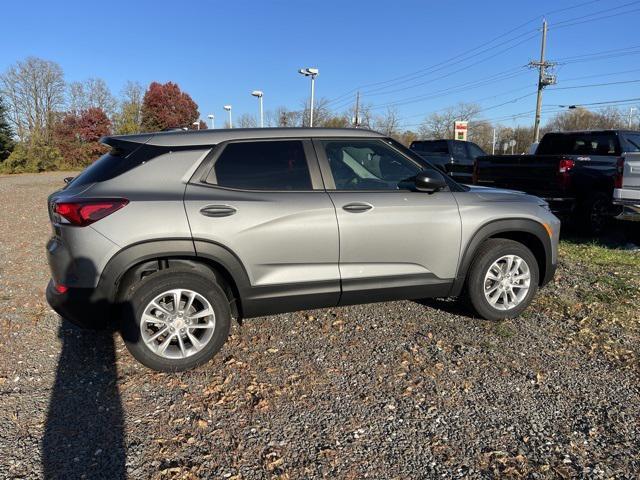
(207,169)
(327,175)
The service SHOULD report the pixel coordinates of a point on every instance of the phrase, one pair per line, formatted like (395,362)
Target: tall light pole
(228,109)
(212,117)
(259,94)
(313,73)
(631,109)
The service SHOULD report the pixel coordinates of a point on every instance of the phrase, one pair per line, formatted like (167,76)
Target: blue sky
(220,51)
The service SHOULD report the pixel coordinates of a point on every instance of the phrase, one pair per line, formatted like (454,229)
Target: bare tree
(286,118)
(321,112)
(91,93)
(246,121)
(440,125)
(388,123)
(34,89)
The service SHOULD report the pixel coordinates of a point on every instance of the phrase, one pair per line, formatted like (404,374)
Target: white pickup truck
(628,194)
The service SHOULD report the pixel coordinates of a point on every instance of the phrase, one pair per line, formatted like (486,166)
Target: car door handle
(357,207)
(217,211)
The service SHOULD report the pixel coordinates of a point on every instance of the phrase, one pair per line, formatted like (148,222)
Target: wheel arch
(530,233)
(133,262)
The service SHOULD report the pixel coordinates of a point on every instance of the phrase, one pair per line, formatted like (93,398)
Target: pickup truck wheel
(503,279)
(596,214)
(175,320)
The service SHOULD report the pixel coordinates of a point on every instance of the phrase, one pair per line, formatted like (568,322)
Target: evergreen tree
(6,133)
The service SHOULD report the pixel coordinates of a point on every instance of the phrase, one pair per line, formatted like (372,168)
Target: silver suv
(172,234)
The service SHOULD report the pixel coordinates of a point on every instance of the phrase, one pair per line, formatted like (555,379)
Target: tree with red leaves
(77,136)
(166,106)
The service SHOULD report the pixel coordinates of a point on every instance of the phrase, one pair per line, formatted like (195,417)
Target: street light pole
(212,117)
(313,73)
(228,109)
(259,94)
(631,109)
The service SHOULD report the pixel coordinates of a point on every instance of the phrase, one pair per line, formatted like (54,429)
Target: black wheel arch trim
(494,228)
(185,248)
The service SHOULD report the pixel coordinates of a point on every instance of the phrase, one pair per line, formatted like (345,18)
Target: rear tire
(169,339)
(502,280)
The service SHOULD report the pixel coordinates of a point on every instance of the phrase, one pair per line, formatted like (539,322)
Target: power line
(411,76)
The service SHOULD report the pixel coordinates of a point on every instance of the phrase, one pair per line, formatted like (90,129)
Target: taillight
(565,165)
(83,213)
(617,181)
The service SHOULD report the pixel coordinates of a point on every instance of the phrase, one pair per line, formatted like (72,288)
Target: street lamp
(197,124)
(212,117)
(228,109)
(259,94)
(313,73)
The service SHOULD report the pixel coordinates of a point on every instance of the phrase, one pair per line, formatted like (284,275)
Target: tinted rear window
(115,163)
(264,165)
(436,146)
(595,143)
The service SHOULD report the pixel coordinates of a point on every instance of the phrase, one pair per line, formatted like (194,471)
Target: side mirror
(429,181)
(67,180)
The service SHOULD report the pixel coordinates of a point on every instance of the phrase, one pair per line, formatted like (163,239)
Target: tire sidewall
(480,268)
(152,286)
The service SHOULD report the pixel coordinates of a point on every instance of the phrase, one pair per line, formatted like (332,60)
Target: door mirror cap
(429,181)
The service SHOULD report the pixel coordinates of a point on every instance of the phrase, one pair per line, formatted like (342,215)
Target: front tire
(503,279)
(175,320)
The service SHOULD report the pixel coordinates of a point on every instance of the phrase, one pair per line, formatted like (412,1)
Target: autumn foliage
(166,106)
(77,136)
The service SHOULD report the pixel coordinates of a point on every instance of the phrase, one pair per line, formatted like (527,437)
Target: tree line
(48,124)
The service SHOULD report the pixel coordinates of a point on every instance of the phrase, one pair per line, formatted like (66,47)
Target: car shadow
(84,433)
(453,306)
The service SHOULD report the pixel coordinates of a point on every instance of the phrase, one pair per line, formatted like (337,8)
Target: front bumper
(79,306)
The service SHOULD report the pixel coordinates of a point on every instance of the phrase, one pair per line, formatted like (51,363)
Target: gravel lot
(393,390)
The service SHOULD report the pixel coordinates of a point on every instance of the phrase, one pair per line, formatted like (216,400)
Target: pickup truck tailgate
(537,175)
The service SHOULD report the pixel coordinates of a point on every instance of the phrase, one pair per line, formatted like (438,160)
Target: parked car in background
(576,172)
(455,157)
(627,196)
(171,234)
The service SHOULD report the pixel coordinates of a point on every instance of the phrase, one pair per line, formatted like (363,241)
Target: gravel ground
(392,390)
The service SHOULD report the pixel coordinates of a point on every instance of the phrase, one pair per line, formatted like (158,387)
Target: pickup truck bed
(575,172)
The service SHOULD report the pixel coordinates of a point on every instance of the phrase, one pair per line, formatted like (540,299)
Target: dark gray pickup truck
(575,172)
(455,157)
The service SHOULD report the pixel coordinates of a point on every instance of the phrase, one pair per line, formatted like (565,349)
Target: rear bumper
(629,200)
(630,211)
(78,306)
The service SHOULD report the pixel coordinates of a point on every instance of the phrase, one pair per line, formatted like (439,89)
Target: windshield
(436,146)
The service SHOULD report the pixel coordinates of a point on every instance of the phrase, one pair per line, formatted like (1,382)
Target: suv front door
(394,242)
(264,201)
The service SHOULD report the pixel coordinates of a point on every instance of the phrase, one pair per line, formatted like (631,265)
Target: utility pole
(543,80)
(493,142)
(631,109)
(356,119)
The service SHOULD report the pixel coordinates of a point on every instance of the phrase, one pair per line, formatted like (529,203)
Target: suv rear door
(394,242)
(264,201)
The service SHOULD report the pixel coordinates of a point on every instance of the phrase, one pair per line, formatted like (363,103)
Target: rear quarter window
(115,163)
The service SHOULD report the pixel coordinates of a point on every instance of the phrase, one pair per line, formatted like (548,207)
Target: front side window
(272,165)
(368,165)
